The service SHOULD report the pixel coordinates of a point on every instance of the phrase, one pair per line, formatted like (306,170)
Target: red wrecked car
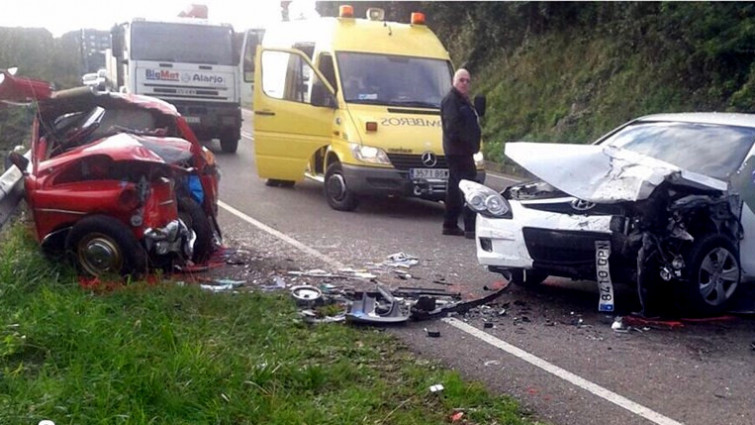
(118,181)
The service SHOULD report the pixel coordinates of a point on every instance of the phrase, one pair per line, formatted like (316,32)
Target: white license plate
(192,120)
(428,173)
(603,274)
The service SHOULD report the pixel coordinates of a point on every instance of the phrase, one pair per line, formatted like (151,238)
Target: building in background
(93,44)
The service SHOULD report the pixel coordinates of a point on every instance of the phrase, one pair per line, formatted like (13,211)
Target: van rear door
(293,113)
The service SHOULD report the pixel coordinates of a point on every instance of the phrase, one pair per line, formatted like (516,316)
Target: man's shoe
(469,235)
(453,231)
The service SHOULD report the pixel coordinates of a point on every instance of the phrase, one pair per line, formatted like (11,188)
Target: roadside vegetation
(169,354)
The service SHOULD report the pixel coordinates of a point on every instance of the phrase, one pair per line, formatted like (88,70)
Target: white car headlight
(369,154)
(485,200)
(479,160)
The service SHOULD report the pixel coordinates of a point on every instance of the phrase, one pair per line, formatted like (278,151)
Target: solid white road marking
(282,236)
(567,376)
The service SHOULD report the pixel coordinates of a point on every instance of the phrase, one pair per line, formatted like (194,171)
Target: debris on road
(436,388)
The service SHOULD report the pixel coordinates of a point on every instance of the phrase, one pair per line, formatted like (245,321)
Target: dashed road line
(567,376)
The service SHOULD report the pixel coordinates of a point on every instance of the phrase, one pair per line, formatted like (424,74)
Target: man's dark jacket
(461,131)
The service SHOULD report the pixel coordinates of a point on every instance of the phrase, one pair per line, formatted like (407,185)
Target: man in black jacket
(461,140)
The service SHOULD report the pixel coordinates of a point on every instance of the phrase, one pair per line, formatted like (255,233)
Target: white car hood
(602,174)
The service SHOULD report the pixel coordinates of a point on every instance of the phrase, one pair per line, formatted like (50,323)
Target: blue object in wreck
(195,187)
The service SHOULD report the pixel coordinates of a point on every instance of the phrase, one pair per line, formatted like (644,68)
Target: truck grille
(405,161)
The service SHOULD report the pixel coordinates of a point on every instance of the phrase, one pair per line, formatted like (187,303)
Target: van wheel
(713,275)
(336,191)
(101,245)
(229,141)
(191,213)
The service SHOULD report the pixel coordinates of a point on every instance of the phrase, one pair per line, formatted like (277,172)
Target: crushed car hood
(129,147)
(602,174)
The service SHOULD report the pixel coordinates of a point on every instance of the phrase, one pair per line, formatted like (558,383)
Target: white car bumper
(501,242)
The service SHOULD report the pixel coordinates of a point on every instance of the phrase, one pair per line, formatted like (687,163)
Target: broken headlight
(485,200)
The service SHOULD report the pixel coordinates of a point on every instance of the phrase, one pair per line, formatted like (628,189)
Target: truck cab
(355,104)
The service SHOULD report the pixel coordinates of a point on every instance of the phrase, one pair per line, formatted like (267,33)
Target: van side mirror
(322,97)
(19,161)
(480,104)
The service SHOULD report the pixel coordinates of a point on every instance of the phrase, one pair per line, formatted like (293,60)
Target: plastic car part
(457,307)
(365,310)
(102,245)
(526,278)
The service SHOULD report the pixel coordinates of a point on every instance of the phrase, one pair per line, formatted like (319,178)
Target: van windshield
(393,80)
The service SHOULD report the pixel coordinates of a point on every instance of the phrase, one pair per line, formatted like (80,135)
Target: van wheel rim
(99,254)
(336,187)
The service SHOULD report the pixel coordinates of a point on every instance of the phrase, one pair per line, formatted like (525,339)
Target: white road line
(599,391)
(285,238)
(246,135)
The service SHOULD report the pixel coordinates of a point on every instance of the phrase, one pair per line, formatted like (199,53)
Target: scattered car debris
(436,388)
(306,295)
(432,333)
(401,259)
(223,285)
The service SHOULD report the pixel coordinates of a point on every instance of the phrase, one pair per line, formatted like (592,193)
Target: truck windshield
(393,80)
(188,43)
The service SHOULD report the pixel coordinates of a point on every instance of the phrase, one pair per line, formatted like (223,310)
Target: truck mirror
(480,103)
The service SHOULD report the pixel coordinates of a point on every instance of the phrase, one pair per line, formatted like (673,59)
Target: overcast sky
(61,16)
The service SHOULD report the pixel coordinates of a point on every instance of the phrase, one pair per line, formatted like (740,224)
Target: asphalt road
(551,350)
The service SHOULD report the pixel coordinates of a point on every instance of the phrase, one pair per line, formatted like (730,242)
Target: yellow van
(355,104)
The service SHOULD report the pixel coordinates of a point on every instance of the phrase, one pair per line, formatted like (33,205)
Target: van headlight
(369,154)
(479,160)
(485,200)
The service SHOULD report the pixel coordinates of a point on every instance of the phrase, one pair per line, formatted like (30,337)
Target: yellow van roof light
(375,14)
(346,11)
(418,18)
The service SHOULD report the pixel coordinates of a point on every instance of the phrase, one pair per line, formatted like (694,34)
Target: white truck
(188,62)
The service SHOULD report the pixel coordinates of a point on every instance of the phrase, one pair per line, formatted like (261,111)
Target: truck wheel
(338,194)
(194,217)
(713,275)
(229,141)
(526,278)
(101,245)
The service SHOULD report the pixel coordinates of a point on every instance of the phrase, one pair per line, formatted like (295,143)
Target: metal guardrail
(11,192)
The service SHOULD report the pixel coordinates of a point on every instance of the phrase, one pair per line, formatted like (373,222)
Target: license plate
(428,173)
(192,120)
(603,274)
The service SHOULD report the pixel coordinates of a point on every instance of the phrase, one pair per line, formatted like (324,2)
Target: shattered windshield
(393,80)
(713,150)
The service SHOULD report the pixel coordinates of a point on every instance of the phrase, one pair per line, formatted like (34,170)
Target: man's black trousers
(459,167)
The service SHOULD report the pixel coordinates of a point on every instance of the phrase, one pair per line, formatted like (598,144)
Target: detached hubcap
(99,254)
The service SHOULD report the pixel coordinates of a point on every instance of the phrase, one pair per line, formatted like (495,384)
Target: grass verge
(166,354)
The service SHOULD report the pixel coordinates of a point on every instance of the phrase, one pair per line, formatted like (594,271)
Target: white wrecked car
(664,202)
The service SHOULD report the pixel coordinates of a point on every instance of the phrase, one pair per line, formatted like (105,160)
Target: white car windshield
(713,150)
(393,80)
